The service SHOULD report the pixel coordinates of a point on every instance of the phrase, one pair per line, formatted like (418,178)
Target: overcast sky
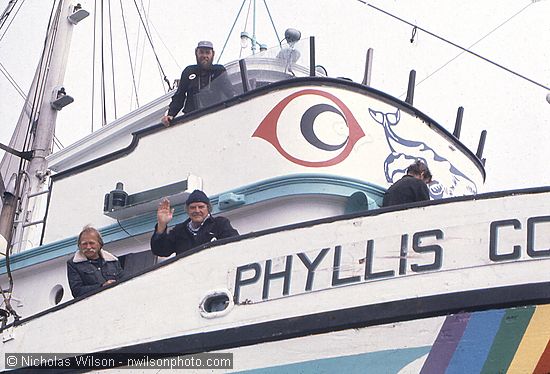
(514,33)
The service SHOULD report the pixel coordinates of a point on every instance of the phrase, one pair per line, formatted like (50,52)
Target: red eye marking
(267,129)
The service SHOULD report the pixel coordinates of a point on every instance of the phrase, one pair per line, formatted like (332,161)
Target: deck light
(244,39)
(60,99)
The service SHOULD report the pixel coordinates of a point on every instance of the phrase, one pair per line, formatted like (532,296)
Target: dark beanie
(197,196)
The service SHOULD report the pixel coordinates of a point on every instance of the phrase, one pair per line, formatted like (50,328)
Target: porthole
(216,304)
(56,294)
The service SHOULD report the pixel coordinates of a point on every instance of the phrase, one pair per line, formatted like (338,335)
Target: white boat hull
(478,258)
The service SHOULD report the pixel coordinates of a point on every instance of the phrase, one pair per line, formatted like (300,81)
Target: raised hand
(164,215)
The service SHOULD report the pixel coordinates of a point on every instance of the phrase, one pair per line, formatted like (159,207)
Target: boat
(322,278)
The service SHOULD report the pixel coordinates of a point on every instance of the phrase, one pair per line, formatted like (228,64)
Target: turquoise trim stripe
(387,362)
(473,348)
(274,188)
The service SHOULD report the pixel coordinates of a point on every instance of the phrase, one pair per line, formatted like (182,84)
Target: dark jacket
(180,239)
(87,275)
(211,84)
(406,190)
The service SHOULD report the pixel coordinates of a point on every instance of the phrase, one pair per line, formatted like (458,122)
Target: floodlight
(60,99)
(78,14)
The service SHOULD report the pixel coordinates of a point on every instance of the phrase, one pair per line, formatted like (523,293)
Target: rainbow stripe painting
(514,340)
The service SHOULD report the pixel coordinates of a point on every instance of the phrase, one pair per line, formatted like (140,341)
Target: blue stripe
(289,185)
(387,362)
(473,348)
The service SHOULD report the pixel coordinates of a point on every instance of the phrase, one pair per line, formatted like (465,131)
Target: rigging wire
(165,46)
(103,91)
(273,24)
(231,31)
(456,45)
(12,81)
(57,142)
(6,14)
(472,45)
(161,72)
(93,65)
(129,55)
(279,40)
(137,67)
(43,67)
(246,23)
(164,77)
(140,50)
(112,58)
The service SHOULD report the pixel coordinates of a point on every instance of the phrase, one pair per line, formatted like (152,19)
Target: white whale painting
(447,179)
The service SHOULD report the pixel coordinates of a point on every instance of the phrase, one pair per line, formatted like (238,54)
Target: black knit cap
(197,196)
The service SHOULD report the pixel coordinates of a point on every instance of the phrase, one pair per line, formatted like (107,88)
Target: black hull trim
(337,320)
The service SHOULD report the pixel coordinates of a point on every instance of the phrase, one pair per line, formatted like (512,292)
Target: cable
(6,15)
(129,55)
(230,31)
(93,64)
(164,44)
(246,23)
(112,58)
(103,91)
(273,24)
(153,48)
(12,81)
(127,233)
(57,142)
(140,52)
(476,42)
(456,45)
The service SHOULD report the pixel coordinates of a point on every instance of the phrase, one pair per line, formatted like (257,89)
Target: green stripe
(507,339)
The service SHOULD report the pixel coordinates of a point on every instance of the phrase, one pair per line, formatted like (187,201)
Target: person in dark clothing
(198,229)
(210,79)
(92,267)
(410,188)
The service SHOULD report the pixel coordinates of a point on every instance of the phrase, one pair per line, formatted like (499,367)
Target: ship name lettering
(279,282)
(532,231)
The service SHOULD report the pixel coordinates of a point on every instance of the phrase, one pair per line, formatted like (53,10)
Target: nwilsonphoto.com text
(118,360)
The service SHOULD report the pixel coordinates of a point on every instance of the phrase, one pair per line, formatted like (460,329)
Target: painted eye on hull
(270,128)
